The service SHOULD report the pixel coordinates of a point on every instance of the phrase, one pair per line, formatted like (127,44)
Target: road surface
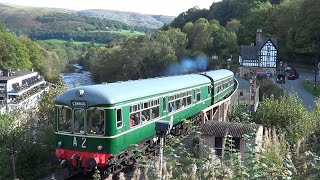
(296,86)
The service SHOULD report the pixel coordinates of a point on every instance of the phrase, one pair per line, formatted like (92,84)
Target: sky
(158,7)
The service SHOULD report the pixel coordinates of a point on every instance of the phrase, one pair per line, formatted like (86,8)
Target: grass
(309,86)
(61,41)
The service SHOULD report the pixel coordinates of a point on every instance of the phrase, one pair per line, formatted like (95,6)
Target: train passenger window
(145,115)
(64,119)
(134,119)
(164,107)
(95,121)
(119,118)
(188,100)
(156,102)
(171,106)
(155,112)
(145,105)
(78,126)
(178,104)
(198,95)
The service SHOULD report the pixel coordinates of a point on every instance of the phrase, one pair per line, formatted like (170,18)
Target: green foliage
(309,86)
(288,115)
(240,113)
(30,138)
(191,15)
(133,59)
(268,89)
(271,161)
(14,54)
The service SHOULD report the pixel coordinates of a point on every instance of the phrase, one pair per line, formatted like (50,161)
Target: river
(78,77)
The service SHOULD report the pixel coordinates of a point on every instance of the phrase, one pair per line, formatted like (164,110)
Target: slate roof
(261,43)
(249,52)
(15,74)
(220,129)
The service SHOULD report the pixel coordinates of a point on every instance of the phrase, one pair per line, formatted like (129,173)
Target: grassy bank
(309,86)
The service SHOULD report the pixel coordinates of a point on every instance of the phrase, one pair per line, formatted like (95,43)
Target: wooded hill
(51,23)
(295,23)
(131,18)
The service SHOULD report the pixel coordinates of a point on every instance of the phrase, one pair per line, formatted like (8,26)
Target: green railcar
(98,124)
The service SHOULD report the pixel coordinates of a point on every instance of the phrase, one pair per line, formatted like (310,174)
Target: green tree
(175,38)
(288,115)
(34,52)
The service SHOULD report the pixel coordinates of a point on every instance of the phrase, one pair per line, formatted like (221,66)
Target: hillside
(15,16)
(133,19)
(63,24)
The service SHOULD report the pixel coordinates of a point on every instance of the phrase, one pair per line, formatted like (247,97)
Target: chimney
(258,35)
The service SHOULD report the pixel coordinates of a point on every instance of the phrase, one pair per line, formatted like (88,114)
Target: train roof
(130,90)
(218,74)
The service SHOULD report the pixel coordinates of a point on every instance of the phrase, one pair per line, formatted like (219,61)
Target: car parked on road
(264,74)
(291,73)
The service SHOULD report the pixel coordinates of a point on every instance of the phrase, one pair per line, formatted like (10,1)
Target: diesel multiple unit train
(100,125)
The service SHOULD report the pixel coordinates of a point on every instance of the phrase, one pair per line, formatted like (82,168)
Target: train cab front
(79,138)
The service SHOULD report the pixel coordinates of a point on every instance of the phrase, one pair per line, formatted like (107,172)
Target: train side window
(119,118)
(134,119)
(64,119)
(198,95)
(155,112)
(164,107)
(178,104)
(188,100)
(145,115)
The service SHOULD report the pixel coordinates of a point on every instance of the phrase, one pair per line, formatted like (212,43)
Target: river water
(78,77)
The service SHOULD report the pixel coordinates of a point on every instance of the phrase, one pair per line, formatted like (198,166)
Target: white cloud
(165,7)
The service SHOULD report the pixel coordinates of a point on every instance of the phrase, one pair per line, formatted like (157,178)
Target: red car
(291,73)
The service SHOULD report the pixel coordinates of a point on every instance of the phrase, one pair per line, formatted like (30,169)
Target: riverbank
(78,77)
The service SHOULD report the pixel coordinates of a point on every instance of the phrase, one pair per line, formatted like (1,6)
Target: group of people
(94,128)
(135,119)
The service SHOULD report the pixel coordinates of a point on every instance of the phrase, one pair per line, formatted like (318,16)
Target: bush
(268,89)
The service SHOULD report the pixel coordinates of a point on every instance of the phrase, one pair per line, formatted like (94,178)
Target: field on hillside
(61,41)
(124,32)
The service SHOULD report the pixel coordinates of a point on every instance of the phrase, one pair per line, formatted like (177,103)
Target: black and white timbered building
(261,56)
